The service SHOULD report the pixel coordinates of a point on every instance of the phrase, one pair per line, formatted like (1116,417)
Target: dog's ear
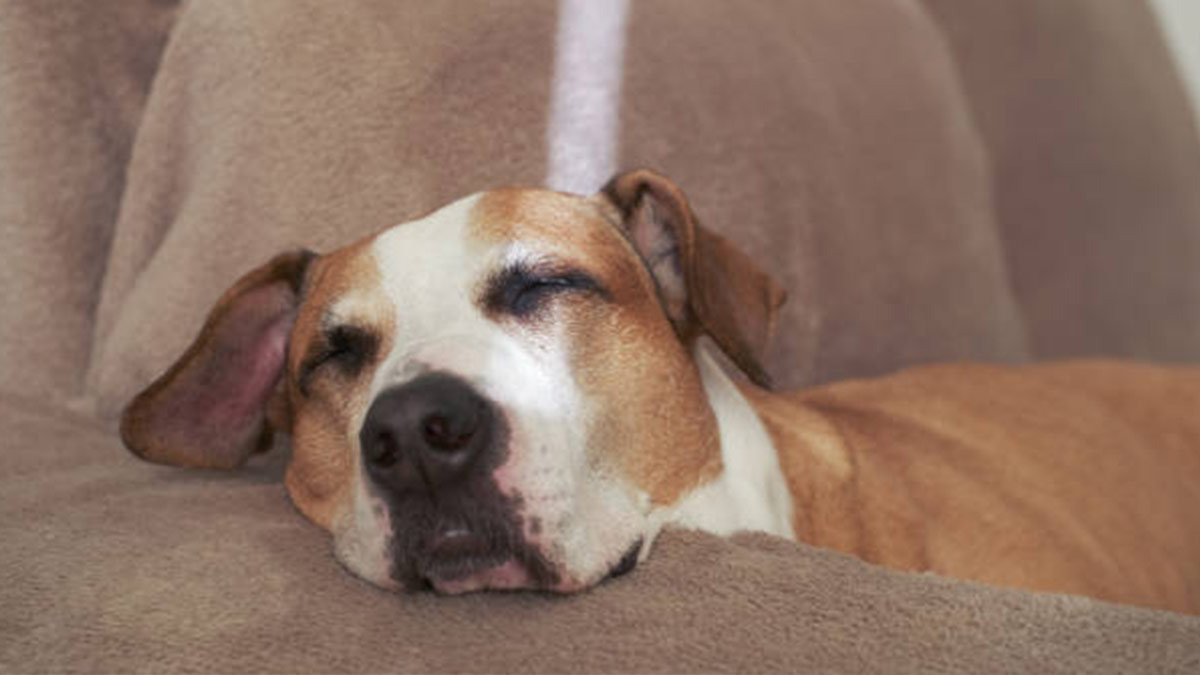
(210,408)
(706,284)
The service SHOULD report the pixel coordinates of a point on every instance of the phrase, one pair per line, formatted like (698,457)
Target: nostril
(426,435)
(384,450)
(442,434)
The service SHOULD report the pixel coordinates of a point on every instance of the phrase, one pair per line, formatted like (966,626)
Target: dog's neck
(750,493)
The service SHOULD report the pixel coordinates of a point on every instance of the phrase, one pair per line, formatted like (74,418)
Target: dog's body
(518,392)
(1073,477)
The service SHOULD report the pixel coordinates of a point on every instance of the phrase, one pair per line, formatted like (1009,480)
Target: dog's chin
(469,557)
(509,575)
(460,561)
(470,572)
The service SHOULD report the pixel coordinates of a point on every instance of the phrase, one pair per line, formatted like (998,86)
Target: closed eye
(522,291)
(344,349)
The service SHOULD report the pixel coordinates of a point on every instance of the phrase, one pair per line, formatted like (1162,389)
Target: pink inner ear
(245,375)
(210,413)
(655,240)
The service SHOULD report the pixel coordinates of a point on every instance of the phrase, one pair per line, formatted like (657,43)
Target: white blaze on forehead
(432,270)
(426,269)
(422,265)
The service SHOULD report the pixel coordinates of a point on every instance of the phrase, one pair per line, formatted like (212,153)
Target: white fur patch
(580,515)
(582,520)
(750,493)
(362,538)
(363,535)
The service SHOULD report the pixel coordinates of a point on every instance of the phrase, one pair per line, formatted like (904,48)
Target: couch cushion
(73,80)
(113,565)
(1097,171)
(831,140)
(826,137)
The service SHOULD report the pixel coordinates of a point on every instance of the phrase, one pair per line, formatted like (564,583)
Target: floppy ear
(209,409)
(706,284)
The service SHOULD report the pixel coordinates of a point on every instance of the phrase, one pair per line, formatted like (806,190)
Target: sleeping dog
(522,389)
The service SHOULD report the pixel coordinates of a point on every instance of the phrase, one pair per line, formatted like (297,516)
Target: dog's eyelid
(349,345)
(345,332)
(562,273)
(520,288)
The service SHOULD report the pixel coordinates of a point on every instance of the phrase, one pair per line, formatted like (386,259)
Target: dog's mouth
(462,559)
(459,559)
(457,552)
(471,556)
(627,562)
(473,537)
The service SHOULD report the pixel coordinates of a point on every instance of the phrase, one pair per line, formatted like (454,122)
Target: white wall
(1180,20)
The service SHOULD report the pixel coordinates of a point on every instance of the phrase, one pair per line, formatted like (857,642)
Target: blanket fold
(921,197)
(113,565)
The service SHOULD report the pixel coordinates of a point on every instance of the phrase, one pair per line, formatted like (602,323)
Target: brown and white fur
(520,391)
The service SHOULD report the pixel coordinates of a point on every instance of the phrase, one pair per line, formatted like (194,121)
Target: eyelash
(521,293)
(518,292)
(347,347)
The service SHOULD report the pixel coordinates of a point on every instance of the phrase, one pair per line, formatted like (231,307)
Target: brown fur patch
(649,417)
(1080,477)
(325,427)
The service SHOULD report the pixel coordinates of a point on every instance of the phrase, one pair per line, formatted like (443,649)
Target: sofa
(931,180)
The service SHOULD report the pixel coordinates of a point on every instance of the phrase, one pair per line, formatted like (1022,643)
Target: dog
(523,388)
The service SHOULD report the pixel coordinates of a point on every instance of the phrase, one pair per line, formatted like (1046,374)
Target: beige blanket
(111,565)
(150,152)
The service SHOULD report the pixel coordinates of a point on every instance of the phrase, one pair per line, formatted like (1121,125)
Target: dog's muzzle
(431,447)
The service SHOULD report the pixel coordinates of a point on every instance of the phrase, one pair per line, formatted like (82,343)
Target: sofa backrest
(1096,173)
(827,138)
(909,221)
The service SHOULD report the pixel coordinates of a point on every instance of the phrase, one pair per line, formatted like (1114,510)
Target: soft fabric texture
(73,81)
(112,565)
(273,125)
(887,165)
(1096,174)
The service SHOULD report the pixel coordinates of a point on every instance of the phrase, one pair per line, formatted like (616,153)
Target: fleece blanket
(111,565)
(871,155)
(1094,168)
(809,133)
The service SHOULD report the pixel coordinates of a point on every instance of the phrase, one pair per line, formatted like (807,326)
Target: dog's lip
(457,543)
(458,553)
(627,562)
(452,536)
(460,560)
(507,575)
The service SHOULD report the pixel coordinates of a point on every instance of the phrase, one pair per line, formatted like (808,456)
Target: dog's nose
(426,434)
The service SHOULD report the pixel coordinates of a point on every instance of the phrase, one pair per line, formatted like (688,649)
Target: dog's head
(499,395)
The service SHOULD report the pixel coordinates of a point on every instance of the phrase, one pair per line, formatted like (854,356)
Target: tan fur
(650,422)
(727,296)
(325,423)
(1079,477)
